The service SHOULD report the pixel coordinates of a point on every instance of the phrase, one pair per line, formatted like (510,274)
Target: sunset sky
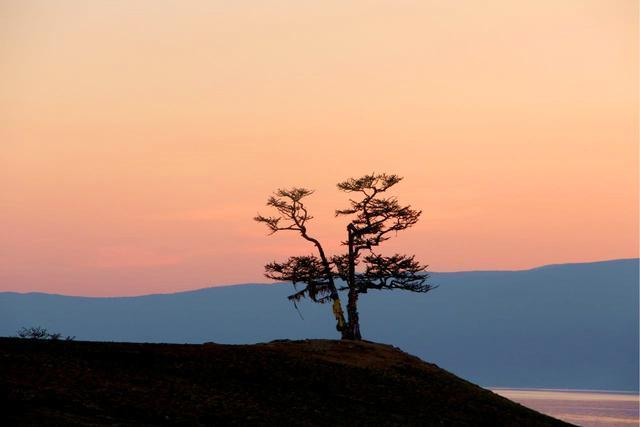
(139,138)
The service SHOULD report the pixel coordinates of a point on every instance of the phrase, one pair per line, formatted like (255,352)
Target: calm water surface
(584,408)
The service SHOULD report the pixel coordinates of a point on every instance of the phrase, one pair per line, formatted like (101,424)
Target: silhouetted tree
(373,219)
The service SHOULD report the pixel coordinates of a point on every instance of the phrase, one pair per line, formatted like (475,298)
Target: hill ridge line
(224,286)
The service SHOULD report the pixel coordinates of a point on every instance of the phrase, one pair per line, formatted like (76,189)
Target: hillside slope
(561,326)
(312,382)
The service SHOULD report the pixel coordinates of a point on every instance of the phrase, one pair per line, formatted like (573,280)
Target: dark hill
(313,382)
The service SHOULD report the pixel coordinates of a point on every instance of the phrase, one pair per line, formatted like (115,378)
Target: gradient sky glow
(138,139)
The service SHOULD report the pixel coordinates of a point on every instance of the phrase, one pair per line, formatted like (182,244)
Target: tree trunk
(353,325)
(341,325)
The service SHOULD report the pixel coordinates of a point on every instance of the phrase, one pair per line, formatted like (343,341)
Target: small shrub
(40,333)
(34,333)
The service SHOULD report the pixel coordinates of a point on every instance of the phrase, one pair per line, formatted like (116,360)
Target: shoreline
(565,390)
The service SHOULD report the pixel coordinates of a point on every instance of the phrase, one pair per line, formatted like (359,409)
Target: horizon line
(228,285)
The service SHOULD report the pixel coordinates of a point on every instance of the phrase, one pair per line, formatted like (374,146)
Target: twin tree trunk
(349,330)
(341,325)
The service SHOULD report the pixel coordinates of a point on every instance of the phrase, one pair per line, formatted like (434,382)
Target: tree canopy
(374,218)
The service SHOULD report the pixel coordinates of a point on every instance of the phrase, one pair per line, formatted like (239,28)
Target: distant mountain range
(558,326)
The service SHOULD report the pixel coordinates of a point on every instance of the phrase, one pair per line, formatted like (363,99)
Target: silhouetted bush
(34,333)
(40,333)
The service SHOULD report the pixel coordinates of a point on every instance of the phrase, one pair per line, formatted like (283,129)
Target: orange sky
(140,138)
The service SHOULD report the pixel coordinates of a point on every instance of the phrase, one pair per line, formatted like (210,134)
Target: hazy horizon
(266,282)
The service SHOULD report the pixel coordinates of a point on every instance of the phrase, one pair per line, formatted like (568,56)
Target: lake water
(584,408)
